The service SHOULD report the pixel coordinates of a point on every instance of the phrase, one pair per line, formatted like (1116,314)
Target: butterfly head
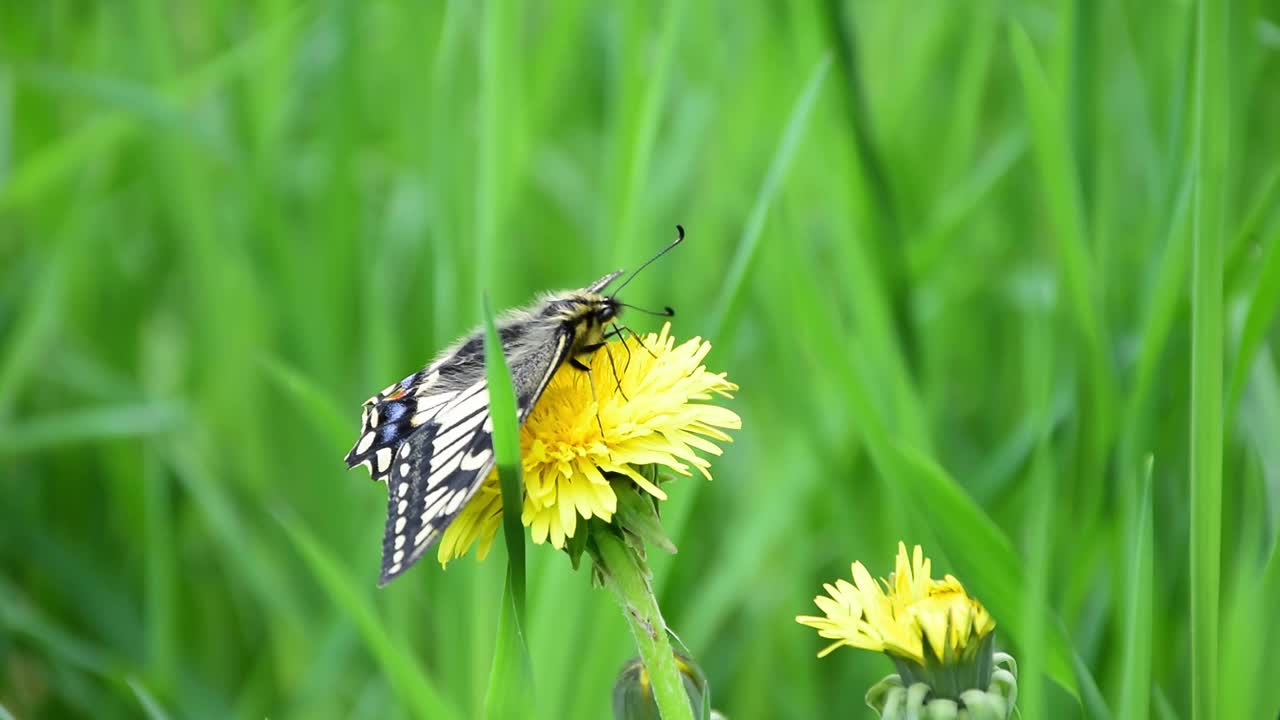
(593,306)
(600,309)
(586,311)
(605,309)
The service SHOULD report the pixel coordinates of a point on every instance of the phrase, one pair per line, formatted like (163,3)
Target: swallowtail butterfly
(429,436)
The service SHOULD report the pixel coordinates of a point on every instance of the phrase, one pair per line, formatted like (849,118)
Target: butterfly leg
(596,346)
(617,332)
(591,380)
(617,379)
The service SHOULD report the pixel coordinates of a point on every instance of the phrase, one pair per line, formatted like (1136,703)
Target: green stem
(628,578)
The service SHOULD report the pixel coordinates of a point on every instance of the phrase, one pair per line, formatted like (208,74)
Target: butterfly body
(429,436)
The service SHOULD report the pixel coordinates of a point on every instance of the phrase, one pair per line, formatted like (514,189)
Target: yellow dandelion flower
(899,615)
(642,404)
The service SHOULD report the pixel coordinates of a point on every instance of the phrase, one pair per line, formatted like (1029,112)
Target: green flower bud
(937,693)
(637,512)
(633,695)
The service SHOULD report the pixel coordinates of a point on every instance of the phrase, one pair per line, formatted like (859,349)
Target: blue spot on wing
(394,410)
(388,434)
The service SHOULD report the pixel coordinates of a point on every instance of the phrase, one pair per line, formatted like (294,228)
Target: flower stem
(627,576)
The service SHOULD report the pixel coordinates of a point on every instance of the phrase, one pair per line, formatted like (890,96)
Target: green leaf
(510,681)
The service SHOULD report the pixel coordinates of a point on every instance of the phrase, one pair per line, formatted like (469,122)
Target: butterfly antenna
(663,251)
(667,311)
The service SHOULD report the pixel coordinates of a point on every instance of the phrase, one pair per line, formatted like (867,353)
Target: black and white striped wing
(431,439)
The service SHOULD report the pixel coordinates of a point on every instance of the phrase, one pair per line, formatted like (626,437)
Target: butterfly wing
(430,437)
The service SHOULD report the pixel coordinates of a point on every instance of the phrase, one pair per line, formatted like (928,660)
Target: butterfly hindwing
(381,429)
(392,415)
(441,449)
(438,469)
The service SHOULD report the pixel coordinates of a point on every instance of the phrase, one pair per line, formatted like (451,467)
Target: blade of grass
(163,573)
(89,425)
(1249,587)
(1264,302)
(1135,671)
(1061,189)
(153,111)
(1162,310)
(148,701)
(1037,372)
(20,616)
(412,684)
(1258,425)
(79,660)
(506,448)
(161,363)
(1245,643)
(639,151)
(1164,708)
(510,683)
(1210,126)
(731,287)
(27,335)
(677,521)
(1094,704)
(495,90)
(994,476)
(228,524)
(456,187)
(887,246)
(39,175)
(1269,703)
(962,201)
(317,405)
(510,691)
(1260,208)
(766,526)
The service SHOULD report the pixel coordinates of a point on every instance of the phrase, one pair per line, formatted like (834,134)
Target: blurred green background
(949,250)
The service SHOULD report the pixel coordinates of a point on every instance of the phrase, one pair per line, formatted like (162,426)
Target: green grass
(1209,157)
(998,278)
(510,682)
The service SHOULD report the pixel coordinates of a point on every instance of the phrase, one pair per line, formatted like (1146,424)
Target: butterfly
(429,437)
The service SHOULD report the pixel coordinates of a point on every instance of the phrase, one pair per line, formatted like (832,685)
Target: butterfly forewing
(430,437)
